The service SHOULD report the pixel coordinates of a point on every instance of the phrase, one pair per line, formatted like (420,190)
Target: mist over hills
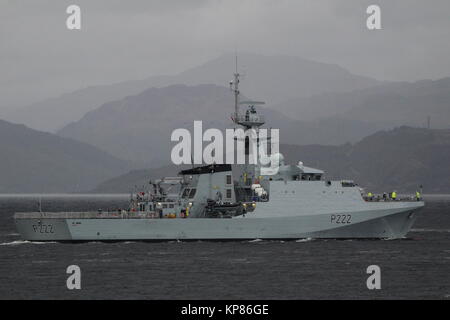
(401,159)
(270,78)
(276,78)
(138,128)
(323,113)
(383,106)
(52,114)
(134,127)
(34,161)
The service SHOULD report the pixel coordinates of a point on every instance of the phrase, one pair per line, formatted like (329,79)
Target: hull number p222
(341,218)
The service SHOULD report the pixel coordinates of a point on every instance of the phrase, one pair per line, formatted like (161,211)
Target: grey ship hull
(392,221)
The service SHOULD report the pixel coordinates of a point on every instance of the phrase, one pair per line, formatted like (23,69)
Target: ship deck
(83,215)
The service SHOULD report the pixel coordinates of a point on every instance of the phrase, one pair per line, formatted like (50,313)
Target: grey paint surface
(297,209)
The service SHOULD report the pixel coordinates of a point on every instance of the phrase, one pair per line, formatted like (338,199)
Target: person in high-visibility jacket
(417,195)
(394,195)
(370,195)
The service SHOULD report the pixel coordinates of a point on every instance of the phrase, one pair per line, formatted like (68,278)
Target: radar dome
(277,158)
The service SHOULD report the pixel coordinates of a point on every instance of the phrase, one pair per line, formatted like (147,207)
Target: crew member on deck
(394,195)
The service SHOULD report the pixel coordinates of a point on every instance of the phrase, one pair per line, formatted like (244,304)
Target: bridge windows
(189,193)
(185,193)
(192,193)
(310,177)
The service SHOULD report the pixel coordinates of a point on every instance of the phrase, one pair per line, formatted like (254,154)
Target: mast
(250,119)
(235,88)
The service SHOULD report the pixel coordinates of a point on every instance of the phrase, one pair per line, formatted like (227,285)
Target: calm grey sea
(414,268)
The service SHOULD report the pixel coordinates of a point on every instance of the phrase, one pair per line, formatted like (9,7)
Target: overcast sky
(124,40)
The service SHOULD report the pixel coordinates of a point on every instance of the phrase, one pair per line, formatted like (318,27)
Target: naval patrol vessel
(224,201)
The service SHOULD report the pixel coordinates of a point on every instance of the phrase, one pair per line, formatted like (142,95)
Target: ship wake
(19,242)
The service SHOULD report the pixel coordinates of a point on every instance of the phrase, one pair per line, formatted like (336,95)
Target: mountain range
(402,159)
(135,127)
(326,115)
(138,128)
(385,105)
(270,78)
(34,161)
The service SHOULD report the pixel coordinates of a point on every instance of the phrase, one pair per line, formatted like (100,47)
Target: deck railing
(83,215)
